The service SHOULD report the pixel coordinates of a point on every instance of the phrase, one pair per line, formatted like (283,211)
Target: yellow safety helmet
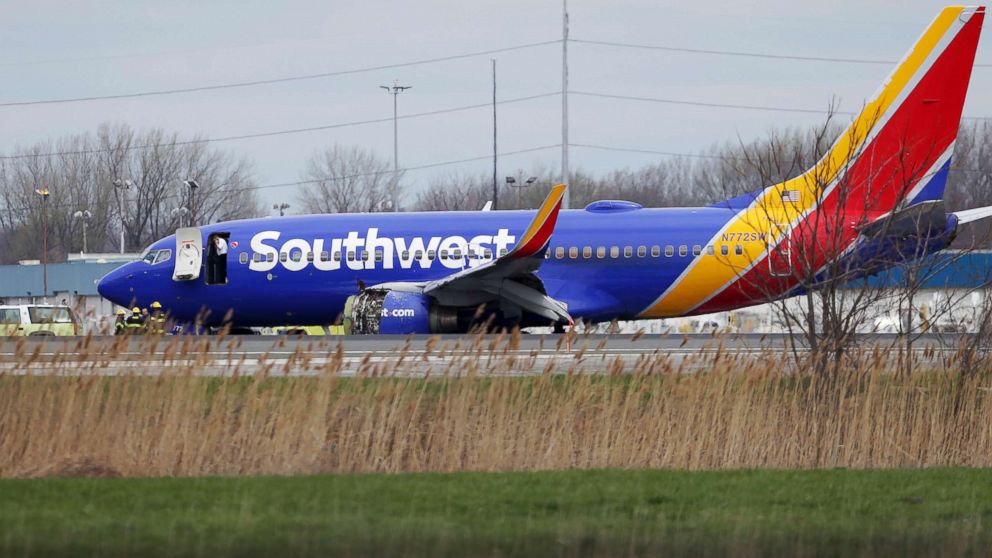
(120,311)
(156,305)
(136,310)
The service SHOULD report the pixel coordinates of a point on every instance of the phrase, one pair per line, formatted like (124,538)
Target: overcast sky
(53,50)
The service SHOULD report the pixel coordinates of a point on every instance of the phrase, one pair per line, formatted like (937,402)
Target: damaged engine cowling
(376,311)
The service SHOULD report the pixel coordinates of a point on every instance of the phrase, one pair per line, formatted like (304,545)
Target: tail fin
(897,151)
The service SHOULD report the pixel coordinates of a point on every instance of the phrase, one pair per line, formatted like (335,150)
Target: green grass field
(570,513)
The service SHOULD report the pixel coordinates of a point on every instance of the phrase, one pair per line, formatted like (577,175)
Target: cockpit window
(163,256)
(150,256)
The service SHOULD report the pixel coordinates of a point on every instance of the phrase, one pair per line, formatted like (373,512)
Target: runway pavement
(427,355)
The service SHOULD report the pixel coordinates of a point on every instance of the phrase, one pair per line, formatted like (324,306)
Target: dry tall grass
(735,415)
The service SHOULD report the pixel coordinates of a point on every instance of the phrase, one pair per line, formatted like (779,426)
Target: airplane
(437,272)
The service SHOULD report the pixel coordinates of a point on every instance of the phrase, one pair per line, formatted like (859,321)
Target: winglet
(538,234)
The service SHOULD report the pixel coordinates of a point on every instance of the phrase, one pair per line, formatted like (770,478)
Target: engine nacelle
(392,312)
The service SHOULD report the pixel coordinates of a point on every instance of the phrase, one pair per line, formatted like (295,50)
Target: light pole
(395,90)
(281,208)
(43,192)
(192,185)
(180,213)
(121,186)
(512,181)
(83,215)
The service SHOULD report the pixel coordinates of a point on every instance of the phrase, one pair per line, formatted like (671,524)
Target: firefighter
(120,326)
(156,321)
(134,325)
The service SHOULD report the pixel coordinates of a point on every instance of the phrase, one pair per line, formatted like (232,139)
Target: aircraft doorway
(217,250)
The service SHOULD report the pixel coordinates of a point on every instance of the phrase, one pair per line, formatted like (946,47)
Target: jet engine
(376,311)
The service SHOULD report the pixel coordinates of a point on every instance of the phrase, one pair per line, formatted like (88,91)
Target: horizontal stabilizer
(969,215)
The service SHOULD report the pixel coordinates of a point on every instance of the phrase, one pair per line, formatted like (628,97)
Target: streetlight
(510,181)
(121,186)
(281,208)
(43,192)
(192,185)
(180,213)
(84,216)
(395,90)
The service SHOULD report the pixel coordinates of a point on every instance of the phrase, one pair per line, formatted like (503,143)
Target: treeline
(134,181)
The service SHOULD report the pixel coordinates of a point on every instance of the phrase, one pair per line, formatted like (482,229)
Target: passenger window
(586,252)
(405,254)
(324,256)
(444,254)
(559,252)
(296,256)
(669,250)
(270,257)
(164,256)
(431,254)
(309,256)
(365,255)
(724,250)
(614,252)
(418,254)
(489,254)
(655,251)
(600,252)
(456,254)
(642,251)
(628,251)
(502,252)
(283,256)
(697,249)
(683,250)
(351,256)
(573,252)
(378,256)
(337,256)
(709,250)
(739,250)
(258,257)
(243,258)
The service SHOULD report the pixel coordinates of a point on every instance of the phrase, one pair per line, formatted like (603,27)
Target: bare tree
(347,179)
(80,172)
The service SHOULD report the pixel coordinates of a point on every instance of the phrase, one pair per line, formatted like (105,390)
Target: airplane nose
(114,287)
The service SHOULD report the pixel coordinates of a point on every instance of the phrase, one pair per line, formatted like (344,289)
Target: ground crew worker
(156,322)
(120,327)
(134,325)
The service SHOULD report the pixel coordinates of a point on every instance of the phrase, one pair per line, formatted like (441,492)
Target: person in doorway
(220,260)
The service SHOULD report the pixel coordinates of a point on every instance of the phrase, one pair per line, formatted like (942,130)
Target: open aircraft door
(189,254)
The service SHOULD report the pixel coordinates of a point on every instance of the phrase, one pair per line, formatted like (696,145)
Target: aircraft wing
(509,277)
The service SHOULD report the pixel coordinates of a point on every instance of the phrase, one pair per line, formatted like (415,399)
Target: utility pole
(395,90)
(495,186)
(564,100)
(192,185)
(83,215)
(121,186)
(43,192)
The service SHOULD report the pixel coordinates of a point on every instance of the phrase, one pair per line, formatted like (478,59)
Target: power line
(704,156)
(705,104)
(744,54)
(270,81)
(733,106)
(281,132)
